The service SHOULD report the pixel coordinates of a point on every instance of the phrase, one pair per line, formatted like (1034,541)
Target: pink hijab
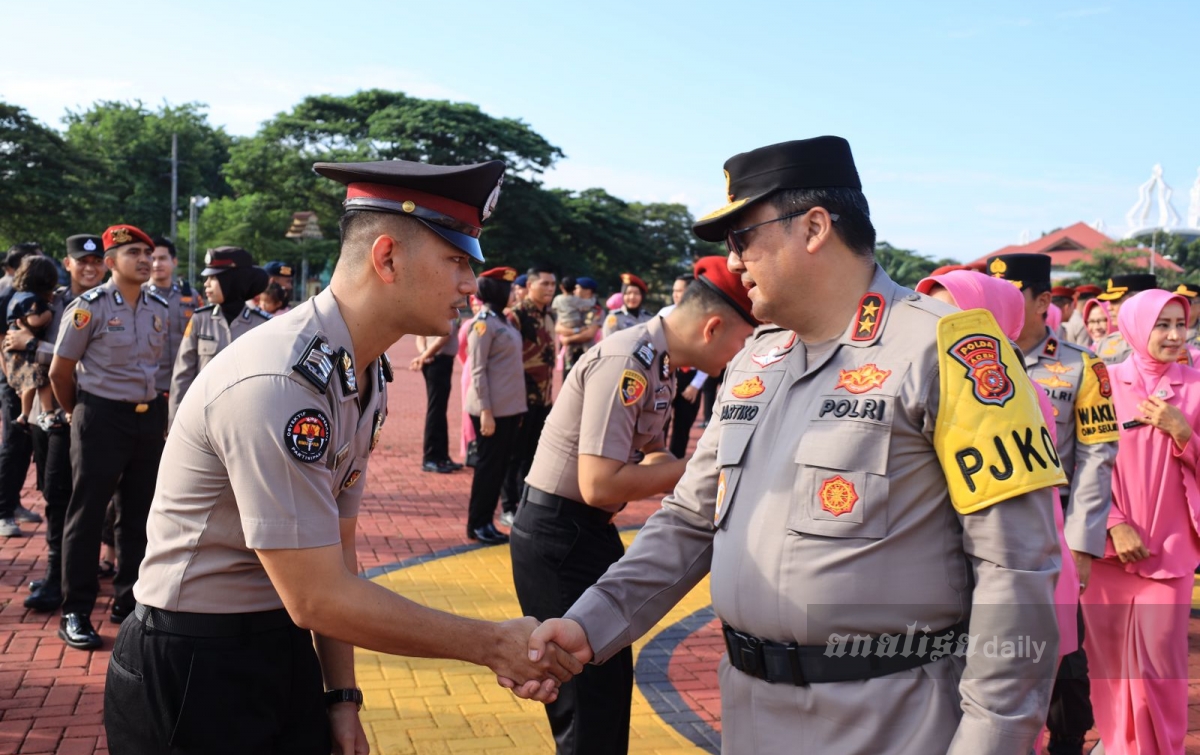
(1054,318)
(1136,318)
(972,290)
(615,302)
(1091,304)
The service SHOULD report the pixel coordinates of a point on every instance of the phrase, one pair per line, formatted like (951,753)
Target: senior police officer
(181,300)
(879,471)
(1113,348)
(633,296)
(253,523)
(231,279)
(602,447)
(52,445)
(1074,328)
(1077,385)
(114,334)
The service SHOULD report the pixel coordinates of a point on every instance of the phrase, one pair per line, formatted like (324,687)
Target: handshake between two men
(556,650)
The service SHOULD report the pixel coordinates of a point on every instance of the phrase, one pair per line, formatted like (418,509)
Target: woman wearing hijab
(231,279)
(1097,318)
(967,289)
(1138,604)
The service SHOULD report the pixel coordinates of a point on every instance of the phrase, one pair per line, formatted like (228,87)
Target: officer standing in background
(1113,348)
(603,446)
(582,338)
(689,382)
(231,279)
(181,301)
(435,359)
(1077,384)
(253,523)
(496,400)
(1074,328)
(283,274)
(52,448)
(633,295)
(532,318)
(115,335)
(863,478)
(1190,291)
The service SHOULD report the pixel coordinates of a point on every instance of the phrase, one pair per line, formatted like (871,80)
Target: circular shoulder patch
(307,435)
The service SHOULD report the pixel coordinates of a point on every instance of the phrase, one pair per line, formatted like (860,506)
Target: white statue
(1193,217)
(1138,214)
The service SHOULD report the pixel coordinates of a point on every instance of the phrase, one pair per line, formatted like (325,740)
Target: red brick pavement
(51,695)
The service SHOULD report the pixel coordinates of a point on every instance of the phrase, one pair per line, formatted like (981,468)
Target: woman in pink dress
(468,430)
(1137,605)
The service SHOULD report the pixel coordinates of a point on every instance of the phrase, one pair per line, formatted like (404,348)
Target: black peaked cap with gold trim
(1120,285)
(823,162)
(1020,269)
(453,201)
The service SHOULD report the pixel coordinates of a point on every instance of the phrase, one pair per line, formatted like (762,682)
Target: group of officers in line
(878,465)
(120,354)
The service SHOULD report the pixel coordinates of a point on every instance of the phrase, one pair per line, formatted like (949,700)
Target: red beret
(714,273)
(120,235)
(1088,289)
(508,274)
(946,269)
(1066,291)
(629,279)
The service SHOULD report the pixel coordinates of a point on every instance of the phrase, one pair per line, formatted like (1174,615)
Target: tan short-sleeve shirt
(497,369)
(206,334)
(268,450)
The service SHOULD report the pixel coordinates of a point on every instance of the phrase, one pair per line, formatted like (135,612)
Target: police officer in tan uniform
(253,523)
(231,279)
(633,292)
(181,300)
(496,399)
(1113,348)
(603,446)
(104,377)
(1076,383)
(872,499)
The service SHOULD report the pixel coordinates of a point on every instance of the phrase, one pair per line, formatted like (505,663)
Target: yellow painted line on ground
(1196,591)
(421,706)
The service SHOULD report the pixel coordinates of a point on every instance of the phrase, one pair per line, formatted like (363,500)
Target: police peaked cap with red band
(84,245)
(629,279)
(1087,290)
(1065,292)
(506,274)
(120,235)
(225,258)
(823,162)
(453,201)
(714,273)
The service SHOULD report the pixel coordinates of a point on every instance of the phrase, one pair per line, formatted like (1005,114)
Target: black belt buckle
(745,651)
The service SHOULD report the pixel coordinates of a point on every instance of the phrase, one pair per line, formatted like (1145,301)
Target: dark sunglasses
(733,239)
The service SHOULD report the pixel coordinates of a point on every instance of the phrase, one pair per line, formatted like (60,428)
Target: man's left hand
(348,735)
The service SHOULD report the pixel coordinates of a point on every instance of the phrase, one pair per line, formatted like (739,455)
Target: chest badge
(720,495)
(990,382)
(1054,381)
(377,431)
(1058,368)
(776,354)
(307,435)
(838,495)
(748,388)
(665,372)
(158,324)
(632,388)
(863,379)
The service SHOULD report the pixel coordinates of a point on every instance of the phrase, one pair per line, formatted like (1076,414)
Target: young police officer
(251,557)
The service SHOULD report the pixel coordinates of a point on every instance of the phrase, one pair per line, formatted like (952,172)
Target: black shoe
(453,466)
(440,467)
(488,535)
(45,599)
(76,630)
(36,585)
(119,614)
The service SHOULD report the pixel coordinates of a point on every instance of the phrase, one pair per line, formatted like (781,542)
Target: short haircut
(1037,288)
(358,228)
(539,269)
(18,252)
(568,282)
(37,274)
(853,225)
(494,293)
(703,300)
(276,292)
(685,278)
(166,242)
(1061,301)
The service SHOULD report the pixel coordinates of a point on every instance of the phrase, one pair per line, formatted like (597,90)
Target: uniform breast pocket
(651,424)
(841,481)
(730,449)
(207,349)
(119,343)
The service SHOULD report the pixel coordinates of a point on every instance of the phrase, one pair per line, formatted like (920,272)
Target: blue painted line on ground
(652,676)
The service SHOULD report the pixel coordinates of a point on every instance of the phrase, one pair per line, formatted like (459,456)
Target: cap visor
(464,242)
(712,226)
(214,270)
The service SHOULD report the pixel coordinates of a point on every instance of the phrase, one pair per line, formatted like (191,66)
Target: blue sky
(971,123)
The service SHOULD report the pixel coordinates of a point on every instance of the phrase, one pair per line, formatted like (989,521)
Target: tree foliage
(1105,263)
(905,266)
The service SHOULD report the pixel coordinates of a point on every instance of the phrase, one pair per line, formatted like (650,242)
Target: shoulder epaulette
(206,308)
(158,299)
(927,304)
(385,365)
(92,295)
(645,353)
(185,288)
(1075,347)
(316,363)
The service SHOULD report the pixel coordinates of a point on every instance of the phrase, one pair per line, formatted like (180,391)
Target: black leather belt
(211,624)
(568,506)
(812,664)
(124,406)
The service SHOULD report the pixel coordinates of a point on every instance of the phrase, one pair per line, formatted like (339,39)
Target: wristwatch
(335,696)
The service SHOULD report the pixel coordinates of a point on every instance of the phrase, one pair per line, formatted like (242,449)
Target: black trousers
(253,694)
(52,455)
(16,448)
(438,375)
(494,455)
(113,450)
(711,386)
(522,456)
(557,554)
(1070,714)
(683,415)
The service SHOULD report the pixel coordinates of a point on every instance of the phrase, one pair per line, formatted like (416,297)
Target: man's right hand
(539,673)
(553,636)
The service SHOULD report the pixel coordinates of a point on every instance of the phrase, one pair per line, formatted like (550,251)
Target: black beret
(452,200)
(1021,269)
(84,245)
(823,162)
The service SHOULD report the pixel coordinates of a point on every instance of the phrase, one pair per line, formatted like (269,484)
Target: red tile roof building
(1077,242)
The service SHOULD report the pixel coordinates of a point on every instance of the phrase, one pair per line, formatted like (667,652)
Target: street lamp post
(194,204)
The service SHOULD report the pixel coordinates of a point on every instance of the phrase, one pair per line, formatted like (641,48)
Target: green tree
(1105,263)
(906,266)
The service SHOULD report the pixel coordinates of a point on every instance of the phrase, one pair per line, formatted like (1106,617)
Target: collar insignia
(346,373)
